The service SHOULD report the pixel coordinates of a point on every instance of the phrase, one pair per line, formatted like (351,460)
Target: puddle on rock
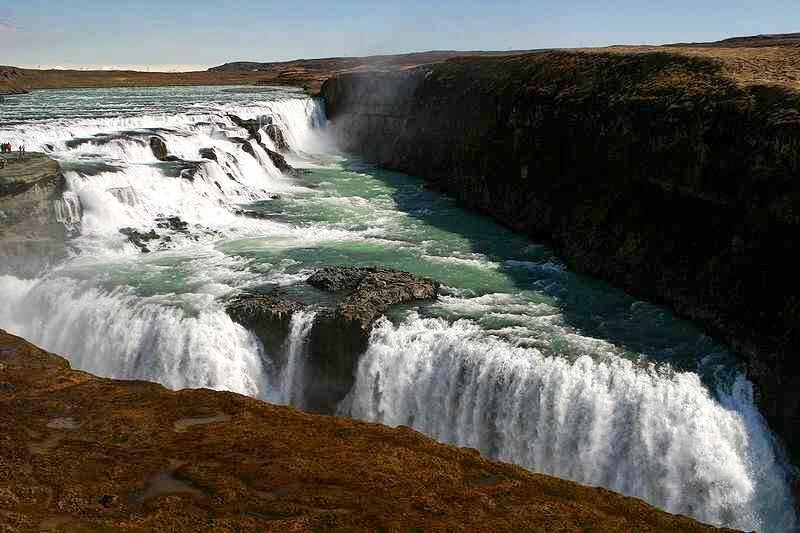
(63,423)
(185,423)
(163,484)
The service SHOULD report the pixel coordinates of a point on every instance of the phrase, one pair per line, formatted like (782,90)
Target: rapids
(522,359)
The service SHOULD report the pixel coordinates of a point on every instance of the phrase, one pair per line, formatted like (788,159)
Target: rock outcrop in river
(340,333)
(253,128)
(672,173)
(32,213)
(81,453)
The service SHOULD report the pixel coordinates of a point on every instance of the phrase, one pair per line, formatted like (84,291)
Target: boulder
(159,148)
(172,223)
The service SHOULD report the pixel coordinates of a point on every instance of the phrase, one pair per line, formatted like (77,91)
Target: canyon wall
(667,174)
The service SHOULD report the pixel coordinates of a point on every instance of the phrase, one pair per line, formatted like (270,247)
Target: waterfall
(581,410)
(119,335)
(643,431)
(292,378)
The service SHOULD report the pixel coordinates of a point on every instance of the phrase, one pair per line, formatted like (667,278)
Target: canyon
(671,172)
(409,247)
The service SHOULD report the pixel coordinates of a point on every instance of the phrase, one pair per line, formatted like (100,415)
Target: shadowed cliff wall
(656,172)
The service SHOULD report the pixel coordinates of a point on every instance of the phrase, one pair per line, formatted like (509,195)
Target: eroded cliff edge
(674,173)
(82,453)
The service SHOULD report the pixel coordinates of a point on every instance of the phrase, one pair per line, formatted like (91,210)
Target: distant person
(21,150)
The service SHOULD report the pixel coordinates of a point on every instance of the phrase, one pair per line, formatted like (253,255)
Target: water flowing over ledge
(524,360)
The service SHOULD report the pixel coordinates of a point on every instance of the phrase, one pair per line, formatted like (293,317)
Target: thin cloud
(6,26)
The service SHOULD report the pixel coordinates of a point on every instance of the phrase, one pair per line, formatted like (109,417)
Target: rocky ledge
(253,128)
(671,172)
(81,453)
(340,333)
(31,213)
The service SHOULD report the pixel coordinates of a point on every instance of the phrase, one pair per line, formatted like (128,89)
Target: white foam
(656,435)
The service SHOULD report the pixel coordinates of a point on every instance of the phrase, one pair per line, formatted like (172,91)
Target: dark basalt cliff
(675,175)
(79,453)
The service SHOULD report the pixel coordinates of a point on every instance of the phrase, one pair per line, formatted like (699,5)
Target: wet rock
(176,167)
(339,336)
(268,316)
(139,239)
(172,223)
(276,134)
(252,126)
(280,162)
(159,148)
(245,144)
(208,153)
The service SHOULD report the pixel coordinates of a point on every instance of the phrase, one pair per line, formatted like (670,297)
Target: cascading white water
(292,379)
(645,432)
(117,334)
(582,411)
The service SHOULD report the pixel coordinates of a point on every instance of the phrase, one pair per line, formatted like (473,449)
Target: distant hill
(752,41)
(746,52)
(372,62)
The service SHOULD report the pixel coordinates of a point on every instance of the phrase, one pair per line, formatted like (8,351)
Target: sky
(182,34)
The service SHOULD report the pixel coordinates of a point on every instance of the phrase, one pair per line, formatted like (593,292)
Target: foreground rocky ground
(80,453)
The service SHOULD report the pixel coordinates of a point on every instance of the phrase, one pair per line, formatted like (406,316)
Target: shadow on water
(590,306)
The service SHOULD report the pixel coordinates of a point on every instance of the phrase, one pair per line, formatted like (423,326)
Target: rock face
(208,153)
(268,316)
(140,239)
(253,129)
(159,148)
(664,173)
(340,335)
(80,453)
(275,133)
(32,234)
(246,146)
